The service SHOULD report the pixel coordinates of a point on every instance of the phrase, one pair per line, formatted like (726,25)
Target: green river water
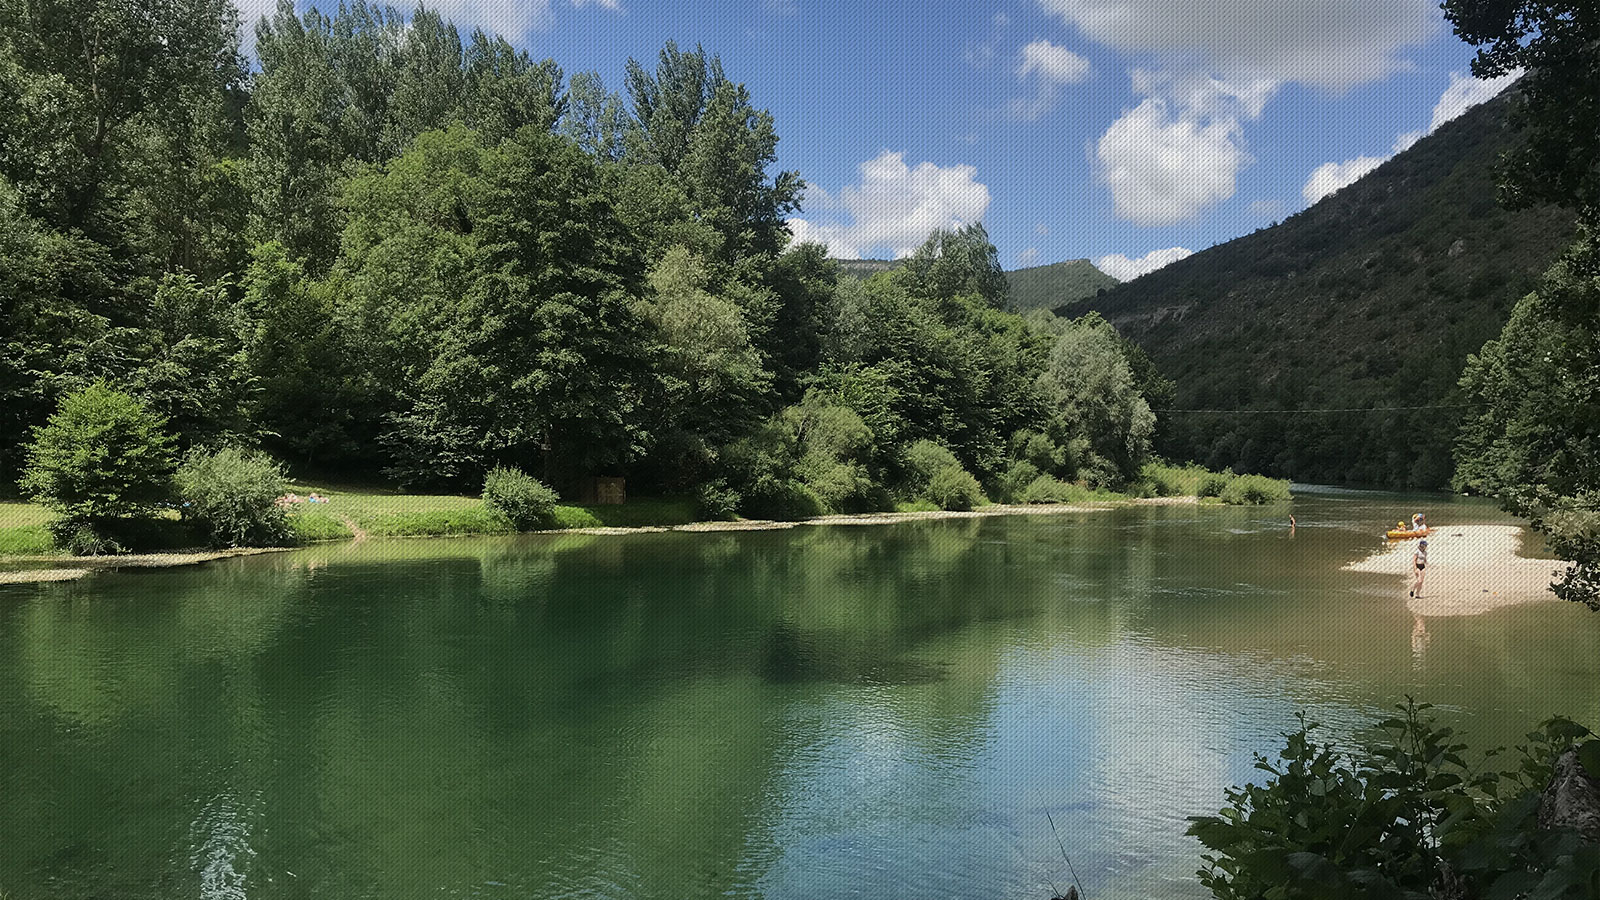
(843,711)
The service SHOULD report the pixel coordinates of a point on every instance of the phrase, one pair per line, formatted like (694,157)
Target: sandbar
(1472,569)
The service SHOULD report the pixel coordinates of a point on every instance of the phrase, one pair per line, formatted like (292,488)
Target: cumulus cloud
(1165,165)
(1463,93)
(1466,92)
(1329,45)
(894,207)
(1205,74)
(1028,257)
(1331,176)
(1122,268)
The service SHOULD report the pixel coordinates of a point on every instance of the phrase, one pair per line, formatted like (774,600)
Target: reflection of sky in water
(876,712)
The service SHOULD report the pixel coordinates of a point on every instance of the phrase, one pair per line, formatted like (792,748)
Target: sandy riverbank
(81,566)
(1472,569)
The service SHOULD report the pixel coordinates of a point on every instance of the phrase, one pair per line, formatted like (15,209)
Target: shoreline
(1472,569)
(71,568)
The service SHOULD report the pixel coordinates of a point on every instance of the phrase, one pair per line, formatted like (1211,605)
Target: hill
(1371,298)
(866,268)
(1046,287)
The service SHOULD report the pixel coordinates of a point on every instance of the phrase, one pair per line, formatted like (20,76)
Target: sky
(1128,132)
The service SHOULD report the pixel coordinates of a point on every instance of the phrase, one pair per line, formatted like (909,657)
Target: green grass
(311,526)
(15,515)
(26,540)
(385,512)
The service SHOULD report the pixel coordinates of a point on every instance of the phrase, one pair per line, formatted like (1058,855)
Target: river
(844,711)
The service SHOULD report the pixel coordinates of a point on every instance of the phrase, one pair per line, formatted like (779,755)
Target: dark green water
(882,712)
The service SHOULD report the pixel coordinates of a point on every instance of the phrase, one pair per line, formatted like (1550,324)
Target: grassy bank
(352,511)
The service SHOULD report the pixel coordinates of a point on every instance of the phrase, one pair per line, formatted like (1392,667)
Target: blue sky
(1070,128)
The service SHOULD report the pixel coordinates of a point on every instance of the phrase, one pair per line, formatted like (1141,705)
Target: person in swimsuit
(1419,562)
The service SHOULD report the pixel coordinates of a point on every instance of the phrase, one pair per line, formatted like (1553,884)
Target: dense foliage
(398,249)
(1556,45)
(1534,436)
(232,495)
(1407,816)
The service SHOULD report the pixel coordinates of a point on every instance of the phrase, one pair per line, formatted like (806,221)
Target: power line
(1268,412)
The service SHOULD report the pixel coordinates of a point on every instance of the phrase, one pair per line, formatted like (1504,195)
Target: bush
(954,488)
(1403,817)
(1048,489)
(714,501)
(784,499)
(924,460)
(101,458)
(1254,490)
(231,495)
(1016,479)
(1212,484)
(525,501)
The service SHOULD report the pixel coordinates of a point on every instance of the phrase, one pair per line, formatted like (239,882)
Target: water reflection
(792,714)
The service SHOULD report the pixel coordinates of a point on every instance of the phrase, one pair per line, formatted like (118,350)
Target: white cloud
(1331,176)
(895,207)
(979,54)
(1122,268)
(1329,45)
(1051,67)
(1164,166)
(1052,64)
(1028,257)
(1463,93)
(1466,92)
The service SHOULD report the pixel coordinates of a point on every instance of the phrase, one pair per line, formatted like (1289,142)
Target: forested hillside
(1058,284)
(1371,298)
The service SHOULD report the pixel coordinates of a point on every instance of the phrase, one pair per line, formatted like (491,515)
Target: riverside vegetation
(398,252)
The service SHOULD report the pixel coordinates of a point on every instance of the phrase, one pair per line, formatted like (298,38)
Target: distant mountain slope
(866,268)
(1046,287)
(1373,297)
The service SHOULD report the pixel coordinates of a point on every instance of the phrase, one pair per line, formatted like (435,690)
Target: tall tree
(702,128)
(506,90)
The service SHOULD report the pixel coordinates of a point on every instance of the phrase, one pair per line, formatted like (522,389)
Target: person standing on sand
(1419,562)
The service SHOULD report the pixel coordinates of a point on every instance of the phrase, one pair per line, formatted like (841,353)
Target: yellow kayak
(1406,535)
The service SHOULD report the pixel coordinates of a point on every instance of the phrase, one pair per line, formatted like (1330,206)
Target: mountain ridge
(1369,299)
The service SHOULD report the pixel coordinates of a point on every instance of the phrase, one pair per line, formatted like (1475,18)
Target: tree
(702,128)
(506,90)
(1534,440)
(1094,404)
(952,263)
(103,457)
(1557,45)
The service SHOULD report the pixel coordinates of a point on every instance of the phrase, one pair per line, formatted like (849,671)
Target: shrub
(1014,483)
(1254,490)
(954,488)
(525,501)
(1406,816)
(784,499)
(924,460)
(1049,489)
(714,501)
(231,495)
(1212,484)
(101,458)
